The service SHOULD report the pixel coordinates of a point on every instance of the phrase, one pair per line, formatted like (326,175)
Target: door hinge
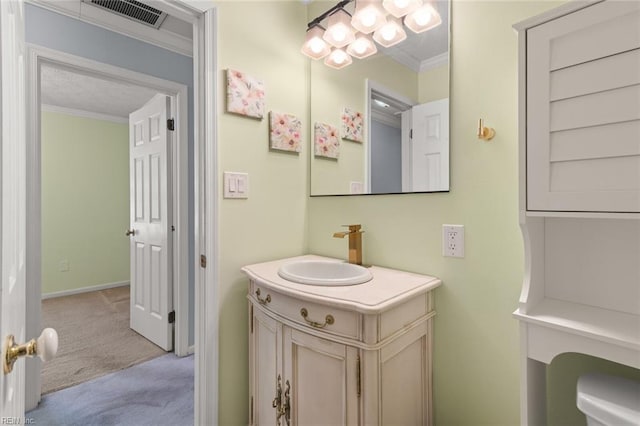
(359,378)
(171,124)
(411,134)
(203,261)
(251,410)
(173,228)
(172,317)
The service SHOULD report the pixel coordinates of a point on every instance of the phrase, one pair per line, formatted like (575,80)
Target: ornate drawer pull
(265,300)
(327,320)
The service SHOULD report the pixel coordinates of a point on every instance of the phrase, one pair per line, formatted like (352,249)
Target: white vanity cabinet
(353,355)
(579,120)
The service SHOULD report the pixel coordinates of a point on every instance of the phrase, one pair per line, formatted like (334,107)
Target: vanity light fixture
(368,16)
(362,47)
(390,33)
(423,18)
(339,31)
(382,18)
(337,59)
(314,46)
(400,8)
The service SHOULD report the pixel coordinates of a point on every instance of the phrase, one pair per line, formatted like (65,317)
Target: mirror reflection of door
(409,149)
(427,156)
(386,159)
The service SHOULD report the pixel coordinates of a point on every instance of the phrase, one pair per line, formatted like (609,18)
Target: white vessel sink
(323,272)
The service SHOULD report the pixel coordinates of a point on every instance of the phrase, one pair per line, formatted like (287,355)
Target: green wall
(85,202)
(476,344)
(433,84)
(476,341)
(263,40)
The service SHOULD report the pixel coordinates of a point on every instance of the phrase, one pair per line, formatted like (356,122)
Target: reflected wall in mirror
(403,93)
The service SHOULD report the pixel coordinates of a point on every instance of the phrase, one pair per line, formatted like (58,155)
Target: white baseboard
(83,290)
(191,350)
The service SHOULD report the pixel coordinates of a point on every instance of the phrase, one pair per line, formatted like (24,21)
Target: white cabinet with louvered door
(583,110)
(579,204)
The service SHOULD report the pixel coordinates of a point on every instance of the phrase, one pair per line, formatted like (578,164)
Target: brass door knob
(130,232)
(44,347)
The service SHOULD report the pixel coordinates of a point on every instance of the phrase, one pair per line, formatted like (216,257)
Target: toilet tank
(609,400)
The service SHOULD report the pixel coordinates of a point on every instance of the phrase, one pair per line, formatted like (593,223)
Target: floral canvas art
(284,131)
(245,94)
(352,125)
(326,141)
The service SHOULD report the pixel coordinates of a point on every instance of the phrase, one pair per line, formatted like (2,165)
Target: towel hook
(485,133)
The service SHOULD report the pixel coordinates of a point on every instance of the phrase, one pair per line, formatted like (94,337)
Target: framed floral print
(245,94)
(284,132)
(352,125)
(326,141)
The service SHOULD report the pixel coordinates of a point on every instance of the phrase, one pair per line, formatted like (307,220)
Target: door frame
(202,14)
(373,86)
(37,57)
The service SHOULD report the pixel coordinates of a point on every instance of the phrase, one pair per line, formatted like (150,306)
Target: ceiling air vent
(133,10)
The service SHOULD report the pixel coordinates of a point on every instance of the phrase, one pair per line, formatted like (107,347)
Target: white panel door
(13,207)
(151,286)
(430,146)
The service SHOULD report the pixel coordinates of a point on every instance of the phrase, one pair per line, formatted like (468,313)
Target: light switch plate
(453,240)
(356,187)
(236,185)
(64,265)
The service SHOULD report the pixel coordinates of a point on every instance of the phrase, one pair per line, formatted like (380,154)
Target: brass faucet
(355,243)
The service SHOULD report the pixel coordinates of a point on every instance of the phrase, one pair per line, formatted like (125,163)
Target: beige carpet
(94,337)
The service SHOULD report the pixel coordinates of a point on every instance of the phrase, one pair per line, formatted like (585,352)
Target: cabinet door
(583,110)
(265,354)
(323,377)
(405,379)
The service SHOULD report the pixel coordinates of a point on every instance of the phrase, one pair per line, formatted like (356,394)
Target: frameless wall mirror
(401,96)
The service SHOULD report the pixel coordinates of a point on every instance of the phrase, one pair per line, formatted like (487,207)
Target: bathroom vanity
(337,355)
(579,119)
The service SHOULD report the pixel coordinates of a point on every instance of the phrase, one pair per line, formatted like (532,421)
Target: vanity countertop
(388,288)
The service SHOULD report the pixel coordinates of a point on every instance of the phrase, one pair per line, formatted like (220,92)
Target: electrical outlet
(453,240)
(64,265)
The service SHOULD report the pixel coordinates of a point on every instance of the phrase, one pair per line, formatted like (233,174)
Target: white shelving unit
(579,118)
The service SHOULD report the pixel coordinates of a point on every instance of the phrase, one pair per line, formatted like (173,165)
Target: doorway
(388,132)
(409,149)
(42,59)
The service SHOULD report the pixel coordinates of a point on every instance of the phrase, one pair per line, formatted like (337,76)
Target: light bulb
(339,57)
(401,4)
(388,32)
(360,46)
(316,45)
(422,16)
(391,33)
(368,18)
(339,34)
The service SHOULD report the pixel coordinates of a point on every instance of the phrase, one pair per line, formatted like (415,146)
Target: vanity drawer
(309,314)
